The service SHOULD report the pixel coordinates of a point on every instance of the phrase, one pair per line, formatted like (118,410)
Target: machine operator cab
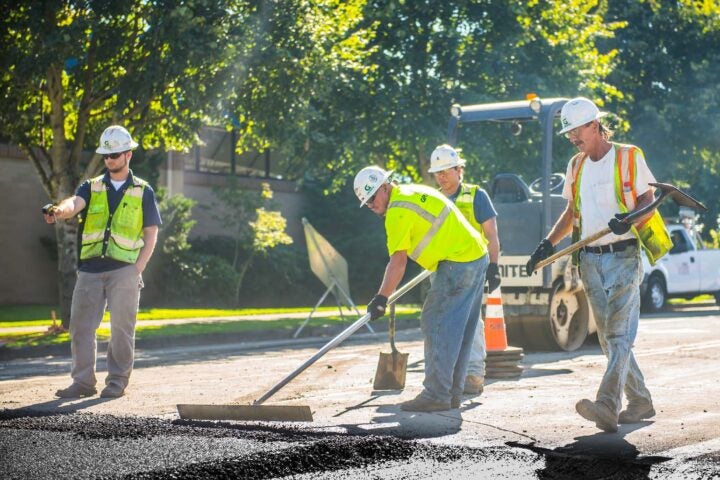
(546,309)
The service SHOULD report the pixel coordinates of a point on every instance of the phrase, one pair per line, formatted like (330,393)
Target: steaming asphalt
(516,429)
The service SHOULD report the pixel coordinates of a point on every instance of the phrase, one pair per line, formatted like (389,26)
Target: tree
(669,66)
(253,225)
(71,68)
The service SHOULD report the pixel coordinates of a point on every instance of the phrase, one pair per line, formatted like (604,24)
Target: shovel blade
(391,371)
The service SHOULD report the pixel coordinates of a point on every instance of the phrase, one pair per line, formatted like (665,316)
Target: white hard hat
(115,139)
(578,112)
(444,157)
(368,180)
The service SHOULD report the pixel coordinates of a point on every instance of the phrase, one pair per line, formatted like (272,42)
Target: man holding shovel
(474,203)
(428,228)
(604,181)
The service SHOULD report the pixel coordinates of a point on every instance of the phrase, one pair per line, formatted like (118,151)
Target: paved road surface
(526,428)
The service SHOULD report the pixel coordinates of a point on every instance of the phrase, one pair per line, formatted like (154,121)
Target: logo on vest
(423,197)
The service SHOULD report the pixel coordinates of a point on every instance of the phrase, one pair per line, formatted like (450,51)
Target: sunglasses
(112,155)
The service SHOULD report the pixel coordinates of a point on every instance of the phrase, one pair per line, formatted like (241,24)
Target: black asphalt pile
(50,446)
(337,453)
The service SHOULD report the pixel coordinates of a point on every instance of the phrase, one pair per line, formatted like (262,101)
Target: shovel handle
(391,329)
(341,337)
(572,248)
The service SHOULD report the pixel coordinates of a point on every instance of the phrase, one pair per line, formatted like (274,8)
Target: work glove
(543,251)
(377,306)
(493,277)
(617,226)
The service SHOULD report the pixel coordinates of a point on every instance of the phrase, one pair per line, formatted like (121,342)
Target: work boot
(455,401)
(112,391)
(599,413)
(423,404)
(76,391)
(474,385)
(634,413)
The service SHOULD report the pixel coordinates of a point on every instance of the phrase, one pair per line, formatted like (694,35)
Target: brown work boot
(634,413)
(455,401)
(599,413)
(422,404)
(474,385)
(112,391)
(76,391)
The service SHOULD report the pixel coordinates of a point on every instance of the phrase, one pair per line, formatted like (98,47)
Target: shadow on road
(57,406)
(602,455)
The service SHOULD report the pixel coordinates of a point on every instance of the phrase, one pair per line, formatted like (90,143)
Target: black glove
(48,209)
(617,226)
(376,307)
(493,277)
(543,251)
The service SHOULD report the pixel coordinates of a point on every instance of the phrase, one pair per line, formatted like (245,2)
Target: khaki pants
(120,291)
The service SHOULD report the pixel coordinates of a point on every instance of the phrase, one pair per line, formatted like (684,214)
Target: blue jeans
(612,284)
(449,318)
(478,353)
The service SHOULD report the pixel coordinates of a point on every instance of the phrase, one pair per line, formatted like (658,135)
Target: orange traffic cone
(495,336)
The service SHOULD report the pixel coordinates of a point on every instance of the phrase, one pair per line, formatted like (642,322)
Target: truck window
(681,243)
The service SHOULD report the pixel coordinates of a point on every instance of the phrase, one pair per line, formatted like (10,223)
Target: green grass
(18,340)
(38,316)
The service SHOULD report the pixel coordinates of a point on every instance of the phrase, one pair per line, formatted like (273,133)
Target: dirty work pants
(120,291)
(612,284)
(476,364)
(448,320)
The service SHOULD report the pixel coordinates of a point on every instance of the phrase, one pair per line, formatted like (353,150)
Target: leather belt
(612,247)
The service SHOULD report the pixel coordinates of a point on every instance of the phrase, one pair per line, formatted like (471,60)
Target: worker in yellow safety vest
(606,180)
(423,225)
(118,235)
(448,166)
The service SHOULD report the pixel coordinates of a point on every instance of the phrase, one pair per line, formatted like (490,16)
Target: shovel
(392,367)
(666,190)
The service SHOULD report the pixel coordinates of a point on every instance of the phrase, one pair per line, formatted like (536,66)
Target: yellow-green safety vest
(125,224)
(653,234)
(465,201)
(429,227)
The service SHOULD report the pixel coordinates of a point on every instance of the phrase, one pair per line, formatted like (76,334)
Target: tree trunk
(241,276)
(67,242)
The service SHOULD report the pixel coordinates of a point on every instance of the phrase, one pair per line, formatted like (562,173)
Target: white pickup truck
(688,270)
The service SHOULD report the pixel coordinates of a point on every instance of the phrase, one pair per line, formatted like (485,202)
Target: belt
(612,247)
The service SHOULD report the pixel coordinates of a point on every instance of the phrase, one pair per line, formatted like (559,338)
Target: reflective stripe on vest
(465,202)
(436,222)
(652,233)
(125,225)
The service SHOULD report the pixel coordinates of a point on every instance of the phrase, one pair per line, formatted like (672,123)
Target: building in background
(29,271)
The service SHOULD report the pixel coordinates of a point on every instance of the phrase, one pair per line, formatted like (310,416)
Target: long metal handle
(341,337)
(666,190)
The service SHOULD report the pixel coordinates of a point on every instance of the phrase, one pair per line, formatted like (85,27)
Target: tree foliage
(252,224)
(669,68)
(333,85)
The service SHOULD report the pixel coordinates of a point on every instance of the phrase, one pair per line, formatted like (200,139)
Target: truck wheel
(655,296)
(568,318)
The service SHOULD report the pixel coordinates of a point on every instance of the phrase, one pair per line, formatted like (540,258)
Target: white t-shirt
(117,184)
(598,203)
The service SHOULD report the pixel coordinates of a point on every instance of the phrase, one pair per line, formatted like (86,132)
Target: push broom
(283,413)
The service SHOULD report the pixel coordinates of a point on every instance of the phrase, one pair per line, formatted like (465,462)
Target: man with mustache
(606,180)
